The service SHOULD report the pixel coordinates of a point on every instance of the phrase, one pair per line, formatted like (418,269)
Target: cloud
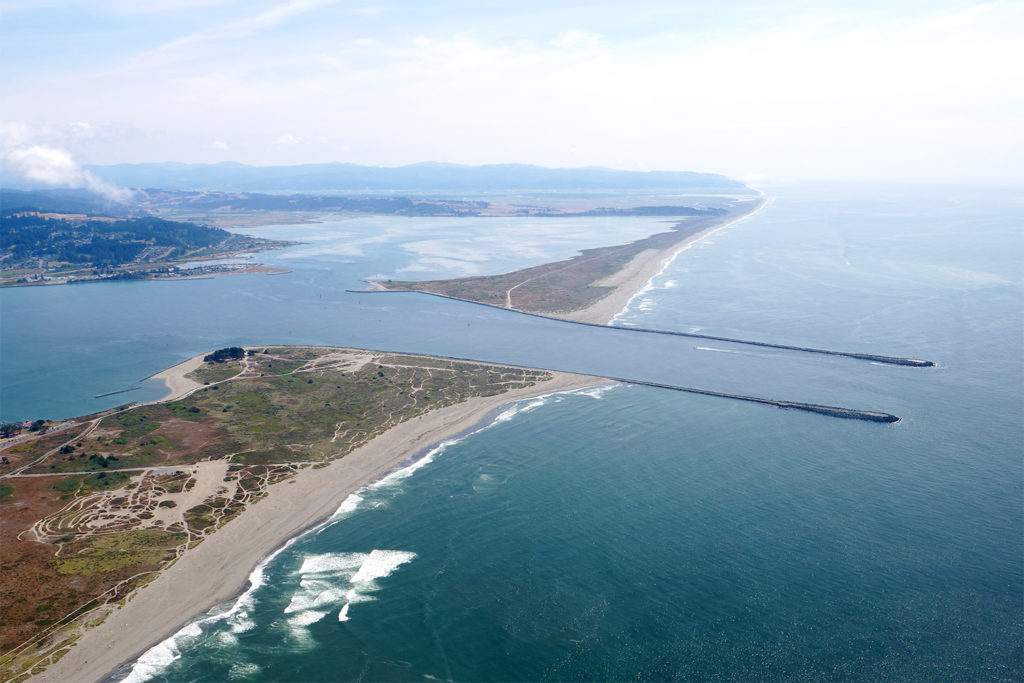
(368,11)
(247,26)
(220,144)
(573,38)
(802,92)
(54,166)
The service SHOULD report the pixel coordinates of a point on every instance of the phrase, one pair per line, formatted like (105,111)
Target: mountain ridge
(423,177)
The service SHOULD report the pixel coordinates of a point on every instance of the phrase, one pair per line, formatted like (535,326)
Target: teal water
(632,533)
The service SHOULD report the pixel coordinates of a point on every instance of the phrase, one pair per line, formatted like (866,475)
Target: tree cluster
(221,355)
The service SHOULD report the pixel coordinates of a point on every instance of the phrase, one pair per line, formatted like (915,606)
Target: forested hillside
(27,234)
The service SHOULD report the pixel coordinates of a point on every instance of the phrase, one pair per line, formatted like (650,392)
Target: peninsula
(593,287)
(97,507)
(596,284)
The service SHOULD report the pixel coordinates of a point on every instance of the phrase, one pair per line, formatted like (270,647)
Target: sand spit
(637,275)
(218,569)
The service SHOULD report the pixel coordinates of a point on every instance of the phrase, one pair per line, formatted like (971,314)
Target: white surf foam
(161,655)
(243,670)
(595,392)
(377,565)
(164,653)
(669,261)
(711,348)
(338,580)
(348,506)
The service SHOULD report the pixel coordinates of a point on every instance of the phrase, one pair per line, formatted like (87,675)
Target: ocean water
(634,533)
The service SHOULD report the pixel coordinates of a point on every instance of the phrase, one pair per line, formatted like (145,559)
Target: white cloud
(573,38)
(240,28)
(871,93)
(53,166)
(367,11)
(220,144)
(15,133)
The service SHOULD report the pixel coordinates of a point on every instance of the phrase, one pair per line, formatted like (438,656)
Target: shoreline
(178,385)
(255,269)
(636,276)
(223,563)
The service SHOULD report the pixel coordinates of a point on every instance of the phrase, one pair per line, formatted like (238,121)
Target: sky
(766,90)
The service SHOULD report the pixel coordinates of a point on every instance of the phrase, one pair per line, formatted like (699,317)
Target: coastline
(222,564)
(635,278)
(178,385)
(255,269)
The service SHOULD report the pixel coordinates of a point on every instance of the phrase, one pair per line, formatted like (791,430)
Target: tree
(221,355)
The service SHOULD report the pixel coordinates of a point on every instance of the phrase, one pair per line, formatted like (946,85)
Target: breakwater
(830,411)
(119,391)
(875,358)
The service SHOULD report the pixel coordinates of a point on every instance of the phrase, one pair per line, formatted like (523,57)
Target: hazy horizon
(836,91)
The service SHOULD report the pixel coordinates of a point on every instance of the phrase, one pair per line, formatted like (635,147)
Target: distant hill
(47,247)
(64,201)
(425,177)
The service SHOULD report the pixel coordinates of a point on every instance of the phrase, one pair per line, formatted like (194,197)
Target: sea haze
(630,532)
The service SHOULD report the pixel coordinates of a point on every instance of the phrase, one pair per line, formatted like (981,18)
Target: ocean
(629,532)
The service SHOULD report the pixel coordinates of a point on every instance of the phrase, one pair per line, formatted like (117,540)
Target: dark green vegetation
(38,246)
(101,242)
(221,355)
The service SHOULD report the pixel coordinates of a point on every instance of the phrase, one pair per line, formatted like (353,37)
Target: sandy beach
(632,279)
(178,385)
(219,568)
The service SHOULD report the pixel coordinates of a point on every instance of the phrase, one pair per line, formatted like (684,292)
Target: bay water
(629,532)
